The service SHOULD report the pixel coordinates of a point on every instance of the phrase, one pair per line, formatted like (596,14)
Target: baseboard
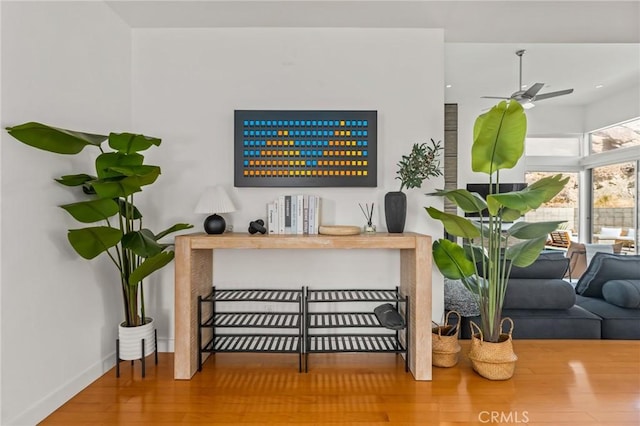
(47,405)
(166,345)
(39,410)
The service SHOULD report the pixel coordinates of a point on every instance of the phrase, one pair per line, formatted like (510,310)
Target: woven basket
(445,349)
(494,361)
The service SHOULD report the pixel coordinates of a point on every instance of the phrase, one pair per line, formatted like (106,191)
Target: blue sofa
(610,288)
(544,306)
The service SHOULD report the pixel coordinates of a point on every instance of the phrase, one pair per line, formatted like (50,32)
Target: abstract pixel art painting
(305,148)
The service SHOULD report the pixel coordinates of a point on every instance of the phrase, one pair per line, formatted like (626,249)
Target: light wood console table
(194,277)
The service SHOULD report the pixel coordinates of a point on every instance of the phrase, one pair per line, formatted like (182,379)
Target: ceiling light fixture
(448,86)
(599,86)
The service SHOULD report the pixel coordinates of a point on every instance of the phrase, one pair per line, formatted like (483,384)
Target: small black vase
(395,211)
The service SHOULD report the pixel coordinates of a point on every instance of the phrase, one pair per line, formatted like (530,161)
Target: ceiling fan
(528,96)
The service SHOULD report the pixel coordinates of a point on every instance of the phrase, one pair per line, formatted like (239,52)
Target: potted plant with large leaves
(483,262)
(422,163)
(135,251)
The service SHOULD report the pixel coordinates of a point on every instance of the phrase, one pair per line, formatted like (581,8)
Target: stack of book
(294,214)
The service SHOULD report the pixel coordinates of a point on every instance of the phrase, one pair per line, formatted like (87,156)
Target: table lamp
(215,200)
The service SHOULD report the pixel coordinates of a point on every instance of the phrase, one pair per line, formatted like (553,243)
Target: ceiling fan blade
(553,94)
(494,97)
(532,91)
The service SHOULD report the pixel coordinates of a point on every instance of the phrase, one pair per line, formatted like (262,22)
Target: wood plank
(193,277)
(265,241)
(415,270)
(371,389)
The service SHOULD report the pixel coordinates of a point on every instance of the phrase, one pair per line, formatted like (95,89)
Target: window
(615,137)
(552,146)
(614,204)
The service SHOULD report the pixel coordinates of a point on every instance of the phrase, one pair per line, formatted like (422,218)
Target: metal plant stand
(142,357)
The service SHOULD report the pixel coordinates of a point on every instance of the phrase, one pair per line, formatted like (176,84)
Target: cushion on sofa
(547,265)
(525,293)
(574,323)
(606,267)
(623,293)
(606,232)
(617,322)
(577,254)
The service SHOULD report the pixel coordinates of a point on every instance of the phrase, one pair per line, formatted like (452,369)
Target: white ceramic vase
(130,340)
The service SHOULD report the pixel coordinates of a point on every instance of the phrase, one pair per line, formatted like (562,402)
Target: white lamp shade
(215,200)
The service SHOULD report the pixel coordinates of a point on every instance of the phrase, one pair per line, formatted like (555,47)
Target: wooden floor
(556,383)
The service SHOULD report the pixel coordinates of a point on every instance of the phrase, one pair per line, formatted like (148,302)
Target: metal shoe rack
(318,323)
(312,329)
(265,339)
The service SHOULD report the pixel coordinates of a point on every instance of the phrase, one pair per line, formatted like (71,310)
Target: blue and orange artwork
(305,148)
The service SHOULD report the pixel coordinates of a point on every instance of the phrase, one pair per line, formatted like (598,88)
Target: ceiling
(475,70)
(570,43)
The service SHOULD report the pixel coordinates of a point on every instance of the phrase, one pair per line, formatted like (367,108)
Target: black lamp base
(214,224)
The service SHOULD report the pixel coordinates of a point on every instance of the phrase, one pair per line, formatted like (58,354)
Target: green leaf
(107,162)
(174,228)
(149,266)
(93,210)
(531,230)
(53,139)
(118,188)
(90,242)
(493,206)
(525,253)
(451,260)
(476,252)
(498,138)
(482,228)
(534,195)
(145,175)
(510,215)
(469,202)
(474,285)
(422,163)
(129,143)
(75,180)
(143,243)
(454,224)
(127,209)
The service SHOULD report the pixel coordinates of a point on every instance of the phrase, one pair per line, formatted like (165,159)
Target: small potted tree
(488,251)
(135,251)
(422,163)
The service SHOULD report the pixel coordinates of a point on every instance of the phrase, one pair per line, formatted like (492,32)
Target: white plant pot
(130,340)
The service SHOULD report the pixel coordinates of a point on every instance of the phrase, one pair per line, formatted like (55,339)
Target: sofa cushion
(606,267)
(525,293)
(574,323)
(623,293)
(609,233)
(617,322)
(577,254)
(547,265)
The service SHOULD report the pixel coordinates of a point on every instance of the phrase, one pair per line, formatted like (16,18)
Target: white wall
(69,65)
(187,83)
